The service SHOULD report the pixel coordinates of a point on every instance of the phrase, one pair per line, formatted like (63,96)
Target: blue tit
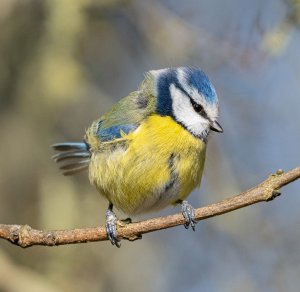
(148,151)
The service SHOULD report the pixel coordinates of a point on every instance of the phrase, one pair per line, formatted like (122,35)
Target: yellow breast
(150,168)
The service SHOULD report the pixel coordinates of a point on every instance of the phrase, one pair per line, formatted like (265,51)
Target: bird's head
(187,95)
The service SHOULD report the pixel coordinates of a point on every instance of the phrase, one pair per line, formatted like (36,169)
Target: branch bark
(25,236)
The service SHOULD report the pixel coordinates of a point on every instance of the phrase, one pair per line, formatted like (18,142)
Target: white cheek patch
(185,113)
(211,110)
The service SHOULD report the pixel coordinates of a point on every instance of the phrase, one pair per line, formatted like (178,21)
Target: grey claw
(111,227)
(188,213)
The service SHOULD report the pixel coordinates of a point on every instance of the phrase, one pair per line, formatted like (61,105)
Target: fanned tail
(75,154)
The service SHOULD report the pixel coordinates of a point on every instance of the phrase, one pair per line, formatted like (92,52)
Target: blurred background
(63,63)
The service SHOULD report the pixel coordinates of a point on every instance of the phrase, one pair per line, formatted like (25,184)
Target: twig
(25,236)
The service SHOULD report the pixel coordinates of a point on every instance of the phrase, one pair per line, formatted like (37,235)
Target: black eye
(197,107)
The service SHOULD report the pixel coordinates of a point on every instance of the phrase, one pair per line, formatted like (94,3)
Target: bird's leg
(111,226)
(188,213)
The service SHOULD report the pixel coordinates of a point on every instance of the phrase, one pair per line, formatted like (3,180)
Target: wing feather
(125,116)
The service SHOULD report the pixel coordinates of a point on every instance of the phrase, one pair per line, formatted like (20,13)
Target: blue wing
(125,116)
(114,132)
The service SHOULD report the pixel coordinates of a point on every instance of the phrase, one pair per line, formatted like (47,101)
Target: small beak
(215,126)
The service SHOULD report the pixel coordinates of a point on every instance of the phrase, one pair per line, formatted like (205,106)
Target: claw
(111,226)
(188,213)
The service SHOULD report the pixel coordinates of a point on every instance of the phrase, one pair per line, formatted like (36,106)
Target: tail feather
(77,155)
(70,155)
(75,170)
(67,146)
(75,165)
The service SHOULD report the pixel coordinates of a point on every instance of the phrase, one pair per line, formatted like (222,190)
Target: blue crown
(195,78)
(199,80)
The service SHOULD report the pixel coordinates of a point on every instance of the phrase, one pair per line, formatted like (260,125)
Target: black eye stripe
(197,107)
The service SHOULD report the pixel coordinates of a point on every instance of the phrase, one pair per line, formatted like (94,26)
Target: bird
(148,151)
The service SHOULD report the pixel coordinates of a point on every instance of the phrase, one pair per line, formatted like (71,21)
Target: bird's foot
(111,227)
(188,213)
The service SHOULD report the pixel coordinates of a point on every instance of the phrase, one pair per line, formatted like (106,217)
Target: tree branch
(25,236)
